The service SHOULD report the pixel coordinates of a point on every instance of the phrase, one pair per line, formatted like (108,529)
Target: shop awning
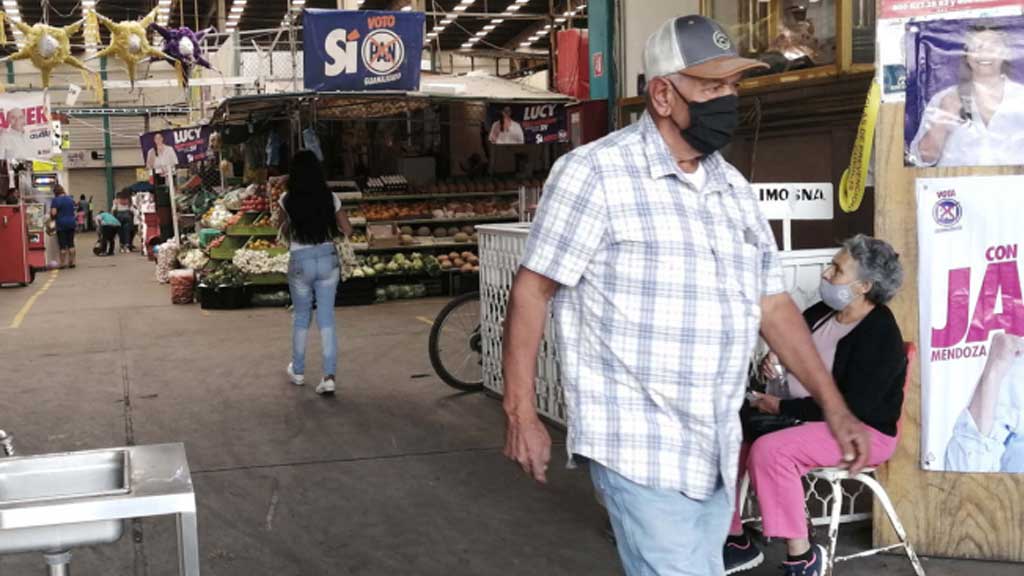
(349,105)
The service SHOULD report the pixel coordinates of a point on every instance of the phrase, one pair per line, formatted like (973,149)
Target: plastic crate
(223,298)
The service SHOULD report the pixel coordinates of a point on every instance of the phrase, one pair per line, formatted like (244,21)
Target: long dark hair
(309,203)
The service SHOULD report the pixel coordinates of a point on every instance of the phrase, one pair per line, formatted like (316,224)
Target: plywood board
(977,516)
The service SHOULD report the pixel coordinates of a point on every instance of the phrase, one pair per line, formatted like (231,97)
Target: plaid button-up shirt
(659,306)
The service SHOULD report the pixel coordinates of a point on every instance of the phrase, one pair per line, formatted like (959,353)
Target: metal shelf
(402,197)
(428,221)
(417,247)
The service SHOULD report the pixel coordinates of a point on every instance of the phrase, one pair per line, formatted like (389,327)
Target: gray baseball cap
(696,46)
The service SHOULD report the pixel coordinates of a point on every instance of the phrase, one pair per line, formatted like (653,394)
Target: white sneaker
(325,388)
(297,379)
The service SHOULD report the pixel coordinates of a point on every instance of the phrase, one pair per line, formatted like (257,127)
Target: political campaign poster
(965,92)
(533,123)
(358,50)
(26,131)
(972,323)
(165,149)
(896,15)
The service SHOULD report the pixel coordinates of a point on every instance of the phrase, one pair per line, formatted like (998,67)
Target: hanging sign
(526,123)
(972,323)
(358,50)
(175,147)
(25,129)
(790,201)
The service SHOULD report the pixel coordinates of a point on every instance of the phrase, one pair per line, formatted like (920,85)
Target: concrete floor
(396,475)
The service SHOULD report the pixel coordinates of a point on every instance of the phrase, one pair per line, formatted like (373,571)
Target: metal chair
(835,476)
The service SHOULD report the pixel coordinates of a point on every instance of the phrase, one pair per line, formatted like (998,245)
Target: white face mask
(836,296)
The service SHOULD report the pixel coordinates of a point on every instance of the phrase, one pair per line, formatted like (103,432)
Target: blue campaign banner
(356,50)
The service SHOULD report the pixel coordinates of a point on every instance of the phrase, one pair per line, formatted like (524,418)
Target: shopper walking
(314,218)
(123,212)
(665,271)
(62,212)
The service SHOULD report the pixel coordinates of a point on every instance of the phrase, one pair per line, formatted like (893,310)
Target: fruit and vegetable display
(276,298)
(461,262)
(258,203)
(223,275)
(194,259)
(217,217)
(216,242)
(263,221)
(166,260)
(263,244)
(397,264)
(378,211)
(358,238)
(260,262)
(400,292)
(235,219)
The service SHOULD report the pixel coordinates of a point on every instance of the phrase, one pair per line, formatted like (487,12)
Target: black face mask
(712,123)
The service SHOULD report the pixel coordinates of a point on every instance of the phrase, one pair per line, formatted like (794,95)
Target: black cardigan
(870,367)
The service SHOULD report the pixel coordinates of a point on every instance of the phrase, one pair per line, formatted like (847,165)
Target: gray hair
(879,264)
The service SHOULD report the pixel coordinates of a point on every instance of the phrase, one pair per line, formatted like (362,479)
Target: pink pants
(777,462)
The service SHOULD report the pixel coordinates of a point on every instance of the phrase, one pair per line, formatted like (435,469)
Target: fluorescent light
(405,8)
(432,35)
(525,44)
(522,1)
(559,20)
(467,2)
(497,21)
(238,9)
(489,27)
(467,45)
(233,17)
(438,29)
(481,34)
(461,8)
(294,3)
(448,20)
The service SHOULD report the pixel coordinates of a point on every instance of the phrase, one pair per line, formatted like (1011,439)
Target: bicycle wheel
(455,346)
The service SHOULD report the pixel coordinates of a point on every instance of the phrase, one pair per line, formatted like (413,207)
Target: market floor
(396,475)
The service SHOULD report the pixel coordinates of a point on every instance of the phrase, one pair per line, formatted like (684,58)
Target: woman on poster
(979,121)
(988,436)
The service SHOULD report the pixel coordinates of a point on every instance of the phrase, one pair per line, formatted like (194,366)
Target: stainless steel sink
(50,480)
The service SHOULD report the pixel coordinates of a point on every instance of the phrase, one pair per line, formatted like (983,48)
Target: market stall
(416,171)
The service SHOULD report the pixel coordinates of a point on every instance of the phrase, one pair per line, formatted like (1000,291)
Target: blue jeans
(662,532)
(314,271)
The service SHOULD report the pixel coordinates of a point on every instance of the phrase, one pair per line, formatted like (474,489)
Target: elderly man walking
(662,271)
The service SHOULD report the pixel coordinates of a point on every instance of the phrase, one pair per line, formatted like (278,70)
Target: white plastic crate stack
(501,247)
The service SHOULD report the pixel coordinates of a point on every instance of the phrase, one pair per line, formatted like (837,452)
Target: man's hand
(528,443)
(852,436)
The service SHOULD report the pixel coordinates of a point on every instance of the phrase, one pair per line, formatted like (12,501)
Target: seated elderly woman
(857,338)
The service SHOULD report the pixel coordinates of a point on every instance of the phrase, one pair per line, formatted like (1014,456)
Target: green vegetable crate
(227,249)
(244,226)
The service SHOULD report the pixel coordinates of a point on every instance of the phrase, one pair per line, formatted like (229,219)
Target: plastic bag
(183,284)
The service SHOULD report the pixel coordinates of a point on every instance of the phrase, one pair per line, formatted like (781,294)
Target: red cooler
(14,267)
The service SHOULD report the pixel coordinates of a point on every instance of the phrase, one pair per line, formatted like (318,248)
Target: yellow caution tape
(851,188)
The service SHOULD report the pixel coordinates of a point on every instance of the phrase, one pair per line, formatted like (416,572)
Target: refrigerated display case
(35,221)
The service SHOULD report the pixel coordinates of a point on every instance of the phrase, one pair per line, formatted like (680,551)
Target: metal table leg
(188,544)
